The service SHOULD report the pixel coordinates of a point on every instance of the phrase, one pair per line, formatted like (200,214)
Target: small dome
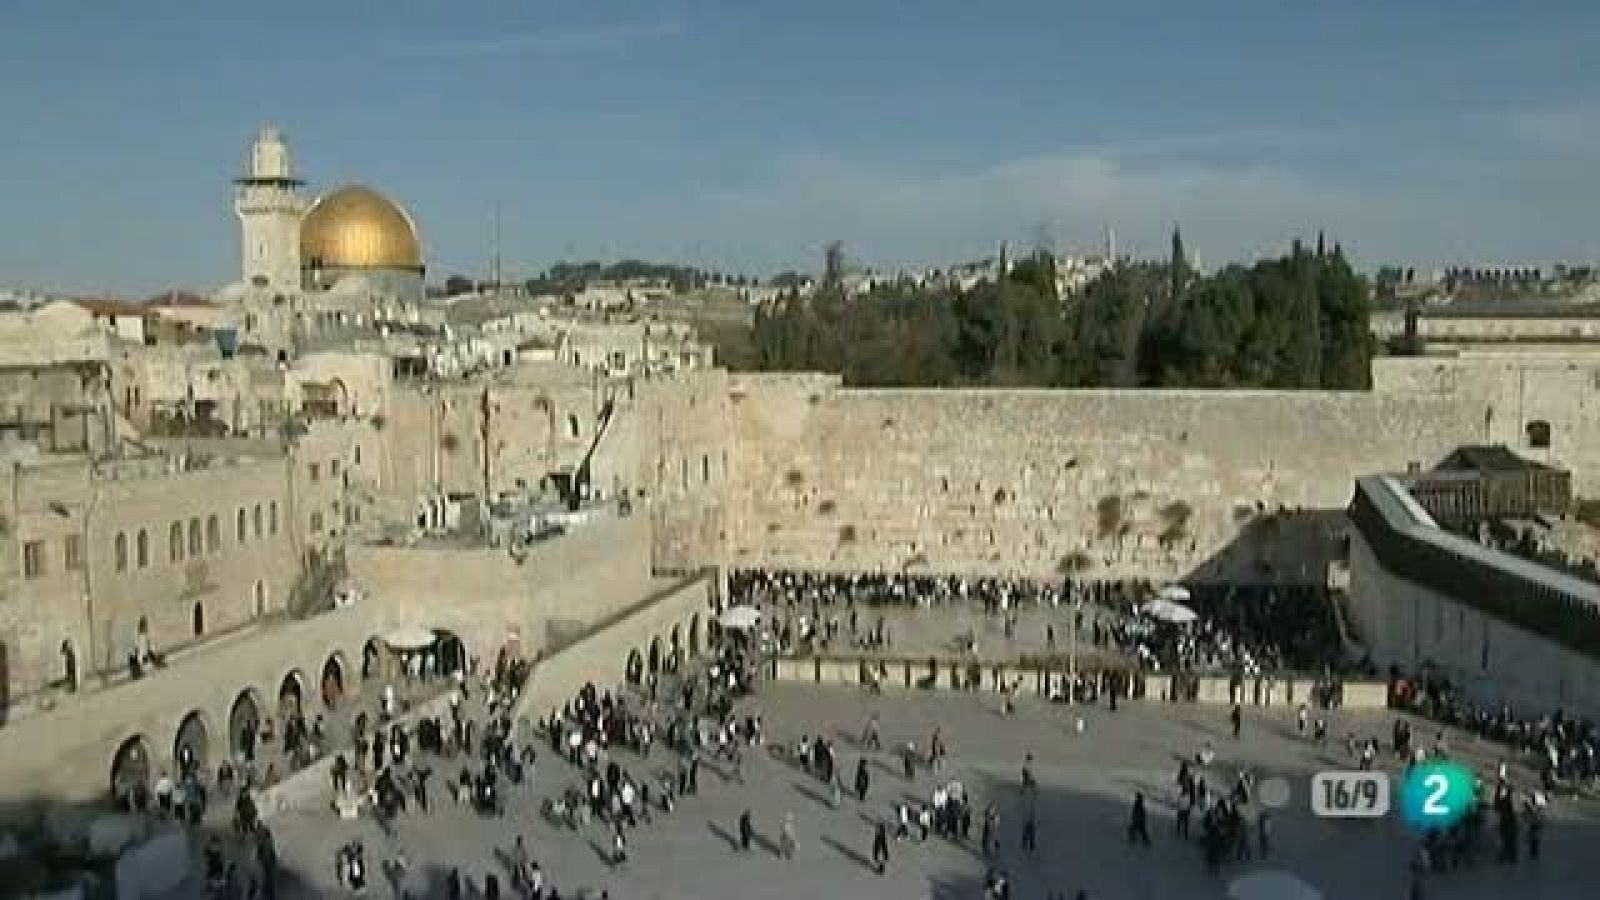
(355,227)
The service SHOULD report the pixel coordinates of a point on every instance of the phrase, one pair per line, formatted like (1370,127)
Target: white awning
(741,618)
(410,637)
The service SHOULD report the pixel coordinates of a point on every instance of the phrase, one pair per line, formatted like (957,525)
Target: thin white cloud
(1229,210)
(1572,128)
(551,40)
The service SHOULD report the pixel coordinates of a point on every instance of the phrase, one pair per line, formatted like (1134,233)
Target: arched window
(1539,434)
(572,425)
(121,552)
(175,542)
(255,514)
(141,549)
(213,534)
(239,526)
(272,517)
(195,545)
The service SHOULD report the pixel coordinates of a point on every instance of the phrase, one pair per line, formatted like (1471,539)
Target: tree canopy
(1297,321)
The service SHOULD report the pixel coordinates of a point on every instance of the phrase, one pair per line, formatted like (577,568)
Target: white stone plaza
(1086,782)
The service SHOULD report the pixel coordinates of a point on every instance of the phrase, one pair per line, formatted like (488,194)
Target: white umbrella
(1168,611)
(1272,885)
(410,637)
(741,618)
(1176,593)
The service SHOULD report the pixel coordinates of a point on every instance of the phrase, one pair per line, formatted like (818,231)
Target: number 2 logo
(1438,785)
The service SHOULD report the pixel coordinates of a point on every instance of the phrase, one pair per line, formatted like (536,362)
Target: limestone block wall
(483,595)
(238,575)
(1405,623)
(1015,481)
(685,465)
(66,754)
(45,506)
(1499,394)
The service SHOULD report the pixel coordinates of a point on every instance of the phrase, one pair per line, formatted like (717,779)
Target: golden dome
(355,227)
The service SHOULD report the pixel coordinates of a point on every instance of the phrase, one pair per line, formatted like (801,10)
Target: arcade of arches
(252,718)
(329,691)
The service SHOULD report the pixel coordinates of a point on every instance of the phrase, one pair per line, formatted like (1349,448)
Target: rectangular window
(333,468)
(33,559)
(74,553)
(316,472)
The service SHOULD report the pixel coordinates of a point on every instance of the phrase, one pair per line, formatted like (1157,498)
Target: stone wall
(685,466)
(1405,623)
(1497,395)
(483,594)
(105,557)
(1150,483)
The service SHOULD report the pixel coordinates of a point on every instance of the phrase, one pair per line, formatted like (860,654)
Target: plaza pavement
(918,632)
(1086,784)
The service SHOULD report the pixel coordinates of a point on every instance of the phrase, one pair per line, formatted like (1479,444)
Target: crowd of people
(1248,629)
(1564,749)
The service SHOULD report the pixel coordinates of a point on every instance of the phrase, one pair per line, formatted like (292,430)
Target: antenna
(494,248)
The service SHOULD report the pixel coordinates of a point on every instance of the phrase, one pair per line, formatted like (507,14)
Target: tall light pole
(1075,603)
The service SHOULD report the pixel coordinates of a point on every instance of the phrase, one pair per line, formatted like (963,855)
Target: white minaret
(269,207)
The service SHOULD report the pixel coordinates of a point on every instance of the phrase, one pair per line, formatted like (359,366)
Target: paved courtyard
(1086,783)
(918,632)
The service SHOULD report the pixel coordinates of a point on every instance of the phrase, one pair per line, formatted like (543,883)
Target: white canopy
(1272,885)
(741,618)
(1176,593)
(410,637)
(1168,611)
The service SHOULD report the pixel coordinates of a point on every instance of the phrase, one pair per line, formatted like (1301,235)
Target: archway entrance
(130,772)
(333,681)
(292,695)
(191,744)
(655,655)
(372,656)
(244,723)
(694,635)
(635,667)
(199,619)
(450,652)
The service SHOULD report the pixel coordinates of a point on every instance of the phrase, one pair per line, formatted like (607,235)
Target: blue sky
(748,133)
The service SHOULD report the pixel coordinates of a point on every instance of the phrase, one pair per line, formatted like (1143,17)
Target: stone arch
(654,660)
(694,635)
(634,665)
(373,655)
(450,652)
(130,769)
(340,394)
(1538,434)
(198,618)
(193,735)
(244,717)
(333,680)
(292,694)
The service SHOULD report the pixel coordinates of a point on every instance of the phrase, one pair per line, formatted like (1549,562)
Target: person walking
(787,837)
(1030,834)
(863,778)
(746,831)
(880,848)
(1237,718)
(1138,822)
